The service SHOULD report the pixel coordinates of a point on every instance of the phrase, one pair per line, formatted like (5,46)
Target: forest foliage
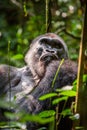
(21,21)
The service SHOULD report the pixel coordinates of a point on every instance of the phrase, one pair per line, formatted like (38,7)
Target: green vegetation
(20,22)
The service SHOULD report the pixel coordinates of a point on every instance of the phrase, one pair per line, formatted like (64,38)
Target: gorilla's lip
(48,57)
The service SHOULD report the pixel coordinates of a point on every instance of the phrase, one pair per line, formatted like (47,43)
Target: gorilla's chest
(22,84)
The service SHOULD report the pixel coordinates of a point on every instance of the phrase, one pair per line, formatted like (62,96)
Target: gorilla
(35,79)
(43,50)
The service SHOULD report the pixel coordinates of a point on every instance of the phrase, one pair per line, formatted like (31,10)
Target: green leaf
(10,125)
(6,104)
(48,113)
(66,112)
(84,82)
(75,117)
(36,118)
(85,78)
(56,101)
(12,116)
(46,96)
(42,128)
(79,128)
(69,93)
(74,85)
(18,56)
(59,90)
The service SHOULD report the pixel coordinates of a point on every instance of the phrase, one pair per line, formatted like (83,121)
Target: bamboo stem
(81,103)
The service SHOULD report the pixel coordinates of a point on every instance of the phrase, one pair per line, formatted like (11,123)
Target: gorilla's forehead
(48,36)
(51,35)
(49,39)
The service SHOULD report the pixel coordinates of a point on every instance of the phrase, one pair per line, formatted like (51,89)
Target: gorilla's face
(43,50)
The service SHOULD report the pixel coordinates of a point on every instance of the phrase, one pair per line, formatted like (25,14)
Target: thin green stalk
(53,83)
(9,71)
(48,16)
(47,13)
(55,77)
(25,9)
(9,80)
(57,123)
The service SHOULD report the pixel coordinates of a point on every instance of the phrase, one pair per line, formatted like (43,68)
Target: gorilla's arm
(18,81)
(8,76)
(67,74)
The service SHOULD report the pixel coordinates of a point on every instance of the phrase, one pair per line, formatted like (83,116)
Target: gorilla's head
(43,50)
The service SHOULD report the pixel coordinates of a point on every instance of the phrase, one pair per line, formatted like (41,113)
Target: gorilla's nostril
(51,51)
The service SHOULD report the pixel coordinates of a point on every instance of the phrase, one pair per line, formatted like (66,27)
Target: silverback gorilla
(35,79)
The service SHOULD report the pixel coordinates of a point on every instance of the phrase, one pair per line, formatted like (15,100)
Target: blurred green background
(22,20)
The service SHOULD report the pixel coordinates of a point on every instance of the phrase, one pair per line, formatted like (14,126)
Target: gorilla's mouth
(48,57)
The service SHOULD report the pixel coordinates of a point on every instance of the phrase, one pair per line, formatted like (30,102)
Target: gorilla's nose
(51,51)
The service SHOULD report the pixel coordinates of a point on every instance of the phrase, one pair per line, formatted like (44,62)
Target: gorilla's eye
(57,45)
(40,50)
